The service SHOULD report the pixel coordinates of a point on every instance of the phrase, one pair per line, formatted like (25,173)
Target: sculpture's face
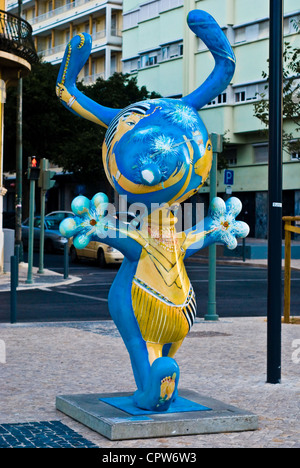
(157,151)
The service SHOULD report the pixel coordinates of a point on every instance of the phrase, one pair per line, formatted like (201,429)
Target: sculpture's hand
(222,223)
(90,220)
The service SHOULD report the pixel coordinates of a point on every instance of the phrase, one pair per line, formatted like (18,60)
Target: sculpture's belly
(160,320)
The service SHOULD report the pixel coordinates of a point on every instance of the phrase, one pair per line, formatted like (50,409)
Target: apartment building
(54,22)
(166,57)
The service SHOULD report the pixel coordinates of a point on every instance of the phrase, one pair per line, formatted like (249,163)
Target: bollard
(17,254)
(66,260)
(13,289)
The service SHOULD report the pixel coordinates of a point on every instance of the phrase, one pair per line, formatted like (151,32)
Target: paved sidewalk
(47,279)
(225,360)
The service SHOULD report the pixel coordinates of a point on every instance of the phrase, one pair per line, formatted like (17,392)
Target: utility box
(9,248)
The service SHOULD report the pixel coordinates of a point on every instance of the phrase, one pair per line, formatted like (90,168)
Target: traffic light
(33,171)
(47,181)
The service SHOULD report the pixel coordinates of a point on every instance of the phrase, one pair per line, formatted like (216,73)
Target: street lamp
(275,193)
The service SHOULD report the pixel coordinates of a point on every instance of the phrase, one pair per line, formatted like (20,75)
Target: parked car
(60,215)
(101,253)
(53,238)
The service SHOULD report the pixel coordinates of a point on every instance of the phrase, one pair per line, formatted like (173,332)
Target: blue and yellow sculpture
(158,153)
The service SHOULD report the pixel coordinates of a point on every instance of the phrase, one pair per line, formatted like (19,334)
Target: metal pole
(275,193)
(13,289)
(42,227)
(217,142)
(66,260)
(17,254)
(19,156)
(31,232)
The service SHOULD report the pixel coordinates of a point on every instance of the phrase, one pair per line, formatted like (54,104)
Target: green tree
(291,97)
(51,131)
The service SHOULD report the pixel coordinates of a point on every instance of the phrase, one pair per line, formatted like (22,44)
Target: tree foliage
(291,96)
(51,131)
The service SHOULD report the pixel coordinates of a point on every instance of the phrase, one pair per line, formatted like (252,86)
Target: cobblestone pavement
(44,434)
(225,360)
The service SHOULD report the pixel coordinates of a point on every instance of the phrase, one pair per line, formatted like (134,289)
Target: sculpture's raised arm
(208,30)
(76,54)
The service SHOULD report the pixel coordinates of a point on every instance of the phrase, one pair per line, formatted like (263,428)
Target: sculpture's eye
(130,123)
(209,147)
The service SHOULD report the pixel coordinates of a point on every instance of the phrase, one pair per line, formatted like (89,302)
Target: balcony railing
(16,37)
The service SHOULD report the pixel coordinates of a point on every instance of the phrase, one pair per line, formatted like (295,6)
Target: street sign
(228,177)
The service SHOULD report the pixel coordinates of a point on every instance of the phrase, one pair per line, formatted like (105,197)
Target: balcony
(16,38)
(73,11)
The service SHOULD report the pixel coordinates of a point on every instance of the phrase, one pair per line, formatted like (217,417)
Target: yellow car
(103,254)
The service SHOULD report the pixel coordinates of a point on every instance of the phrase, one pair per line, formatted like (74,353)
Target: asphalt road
(241,292)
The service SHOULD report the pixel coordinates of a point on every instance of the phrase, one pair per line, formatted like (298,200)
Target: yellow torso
(162,295)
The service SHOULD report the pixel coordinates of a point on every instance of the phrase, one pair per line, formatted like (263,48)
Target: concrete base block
(117,424)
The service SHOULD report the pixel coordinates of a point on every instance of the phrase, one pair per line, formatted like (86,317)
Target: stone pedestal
(115,417)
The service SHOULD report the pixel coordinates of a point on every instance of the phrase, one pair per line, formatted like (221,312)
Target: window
(290,24)
(176,50)
(261,153)
(153,60)
(2,91)
(148,10)
(131,65)
(240,96)
(37,223)
(263,29)
(231,156)
(86,69)
(130,20)
(222,98)
(148,60)
(114,25)
(248,92)
(165,53)
(113,64)
(252,32)
(170,4)
(240,35)
(295,157)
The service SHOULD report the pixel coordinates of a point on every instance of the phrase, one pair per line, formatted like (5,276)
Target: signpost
(217,144)
(33,173)
(45,183)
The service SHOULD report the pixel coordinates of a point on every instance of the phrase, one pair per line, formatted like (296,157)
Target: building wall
(55,22)
(246,25)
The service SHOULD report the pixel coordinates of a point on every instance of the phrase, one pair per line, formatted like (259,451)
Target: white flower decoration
(223,223)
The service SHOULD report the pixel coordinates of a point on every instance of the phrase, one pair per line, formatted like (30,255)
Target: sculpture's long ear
(76,54)
(208,30)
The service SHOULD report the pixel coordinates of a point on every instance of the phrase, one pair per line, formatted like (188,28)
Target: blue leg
(157,384)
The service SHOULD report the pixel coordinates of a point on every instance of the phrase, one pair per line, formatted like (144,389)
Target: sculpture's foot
(162,386)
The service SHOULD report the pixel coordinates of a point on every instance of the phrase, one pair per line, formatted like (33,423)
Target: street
(241,292)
